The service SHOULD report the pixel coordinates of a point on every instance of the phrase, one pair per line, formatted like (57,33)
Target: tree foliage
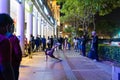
(82,12)
(70,30)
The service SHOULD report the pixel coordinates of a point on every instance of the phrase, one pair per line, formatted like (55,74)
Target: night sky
(113,16)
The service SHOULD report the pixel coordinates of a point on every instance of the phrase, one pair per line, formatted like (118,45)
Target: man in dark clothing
(94,45)
(60,39)
(32,43)
(51,39)
(44,43)
(83,45)
(40,41)
(37,43)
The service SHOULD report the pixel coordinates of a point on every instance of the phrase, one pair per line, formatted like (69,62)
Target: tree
(75,15)
(69,30)
(82,12)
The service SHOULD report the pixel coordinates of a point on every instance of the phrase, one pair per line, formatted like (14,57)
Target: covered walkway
(72,67)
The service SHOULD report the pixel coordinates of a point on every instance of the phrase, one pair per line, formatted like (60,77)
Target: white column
(46,31)
(5,6)
(53,31)
(42,30)
(55,28)
(49,31)
(47,34)
(39,27)
(35,26)
(29,22)
(20,24)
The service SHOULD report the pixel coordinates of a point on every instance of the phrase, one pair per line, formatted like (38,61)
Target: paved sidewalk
(72,67)
(86,69)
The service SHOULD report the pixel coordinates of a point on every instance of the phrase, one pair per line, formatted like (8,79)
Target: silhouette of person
(16,49)
(6,70)
(83,45)
(94,45)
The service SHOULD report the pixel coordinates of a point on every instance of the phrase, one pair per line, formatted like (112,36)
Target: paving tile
(73,67)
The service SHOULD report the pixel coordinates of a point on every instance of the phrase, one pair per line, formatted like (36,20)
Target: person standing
(6,69)
(16,49)
(69,43)
(30,49)
(37,43)
(65,43)
(55,40)
(51,40)
(60,40)
(75,43)
(83,45)
(44,43)
(79,44)
(94,45)
(48,42)
(32,40)
(40,41)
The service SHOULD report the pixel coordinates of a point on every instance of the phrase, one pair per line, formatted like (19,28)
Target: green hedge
(107,52)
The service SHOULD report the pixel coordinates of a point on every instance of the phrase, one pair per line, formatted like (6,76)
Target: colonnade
(36,23)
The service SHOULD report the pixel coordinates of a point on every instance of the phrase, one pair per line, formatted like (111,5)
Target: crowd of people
(41,43)
(11,54)
(78,43)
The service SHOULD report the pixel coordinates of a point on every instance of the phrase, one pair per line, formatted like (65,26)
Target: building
(30,17)
(55,9)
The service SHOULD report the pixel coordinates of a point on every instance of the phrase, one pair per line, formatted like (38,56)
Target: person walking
(16,50)
(6,70)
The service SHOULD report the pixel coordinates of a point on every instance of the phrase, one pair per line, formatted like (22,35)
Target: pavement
(72,67)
